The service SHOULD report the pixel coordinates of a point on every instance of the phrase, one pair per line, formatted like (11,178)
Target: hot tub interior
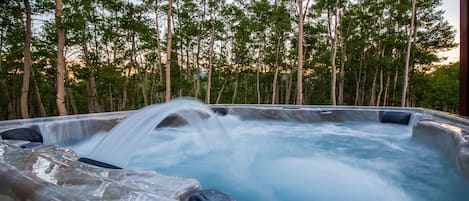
(266,152)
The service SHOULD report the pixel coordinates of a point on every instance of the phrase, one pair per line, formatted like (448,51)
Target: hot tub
(52,172)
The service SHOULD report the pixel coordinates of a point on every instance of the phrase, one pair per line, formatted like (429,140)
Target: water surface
(284,161)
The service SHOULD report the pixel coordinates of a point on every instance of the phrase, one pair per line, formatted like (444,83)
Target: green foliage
(438,90)
(116,47)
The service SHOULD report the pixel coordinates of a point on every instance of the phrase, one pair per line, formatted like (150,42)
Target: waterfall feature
(124,139)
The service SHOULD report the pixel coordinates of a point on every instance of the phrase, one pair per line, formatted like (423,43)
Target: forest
(84,56)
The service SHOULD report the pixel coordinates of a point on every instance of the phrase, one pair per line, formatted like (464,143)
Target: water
(125,138)
(284,161)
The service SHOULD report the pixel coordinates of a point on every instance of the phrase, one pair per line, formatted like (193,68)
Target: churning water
(285,161)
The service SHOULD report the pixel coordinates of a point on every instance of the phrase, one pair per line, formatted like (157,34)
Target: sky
(451,8)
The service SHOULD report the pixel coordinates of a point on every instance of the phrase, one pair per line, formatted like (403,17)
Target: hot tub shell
(50,172)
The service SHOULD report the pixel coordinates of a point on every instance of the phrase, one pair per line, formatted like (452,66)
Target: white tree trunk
(274,84)
(168,53)
(381,85)
(342,72)
(60,101)
(407,60)
(386,91)
(210,61)
(220,93)
(27,62)
(373,89)
(334,35)
(299,99)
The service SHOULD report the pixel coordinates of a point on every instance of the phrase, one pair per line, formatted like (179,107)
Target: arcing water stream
(126,137)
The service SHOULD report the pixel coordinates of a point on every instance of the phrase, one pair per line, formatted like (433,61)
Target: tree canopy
(241,52)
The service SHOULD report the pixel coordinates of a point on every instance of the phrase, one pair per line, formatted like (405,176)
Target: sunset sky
(452,15)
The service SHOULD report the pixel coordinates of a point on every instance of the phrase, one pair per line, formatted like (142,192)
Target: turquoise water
(286,161)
